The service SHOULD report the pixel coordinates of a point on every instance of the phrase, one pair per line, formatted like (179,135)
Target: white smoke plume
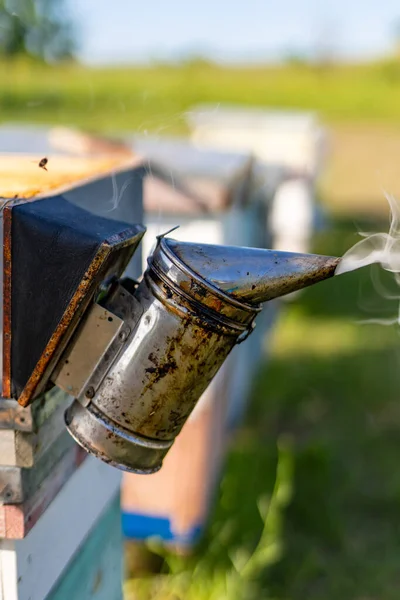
(378,248)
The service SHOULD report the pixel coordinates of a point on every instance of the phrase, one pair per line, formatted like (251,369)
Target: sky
(123,31)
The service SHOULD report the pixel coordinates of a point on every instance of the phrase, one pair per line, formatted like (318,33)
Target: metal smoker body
(142,357)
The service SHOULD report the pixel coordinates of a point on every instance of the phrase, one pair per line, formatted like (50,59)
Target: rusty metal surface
(7,220)
(146,396)
(195,287)
(74,310)
(252,275)
(103,261)
(114,445)
(190,309)
(166,365)
(192,306)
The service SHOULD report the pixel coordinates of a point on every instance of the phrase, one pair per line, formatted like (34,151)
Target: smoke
(118,194)
(382,249)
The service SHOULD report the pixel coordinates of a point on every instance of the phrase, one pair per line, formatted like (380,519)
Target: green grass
(326,410)
(155,98)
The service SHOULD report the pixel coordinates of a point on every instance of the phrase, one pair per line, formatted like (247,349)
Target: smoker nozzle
(253,275)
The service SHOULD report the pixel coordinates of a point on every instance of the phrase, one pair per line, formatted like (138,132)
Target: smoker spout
(253,275)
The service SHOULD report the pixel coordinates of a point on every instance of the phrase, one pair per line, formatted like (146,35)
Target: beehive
(56,502)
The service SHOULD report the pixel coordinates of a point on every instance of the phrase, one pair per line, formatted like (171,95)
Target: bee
(43,162)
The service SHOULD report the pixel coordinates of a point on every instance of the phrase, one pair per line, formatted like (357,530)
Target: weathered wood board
(24,449)
(17,484)
(16,520)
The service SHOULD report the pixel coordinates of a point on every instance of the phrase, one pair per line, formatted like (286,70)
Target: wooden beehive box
(60,534)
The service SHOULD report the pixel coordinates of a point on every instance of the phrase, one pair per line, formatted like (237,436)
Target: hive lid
(21,176)
(181,155)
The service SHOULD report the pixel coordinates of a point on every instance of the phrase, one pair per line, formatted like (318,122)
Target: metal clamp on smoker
(135,356)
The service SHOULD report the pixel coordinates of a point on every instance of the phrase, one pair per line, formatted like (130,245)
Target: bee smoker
(193,305)
(137,356)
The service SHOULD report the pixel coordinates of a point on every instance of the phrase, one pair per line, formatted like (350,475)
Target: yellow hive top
(21,176)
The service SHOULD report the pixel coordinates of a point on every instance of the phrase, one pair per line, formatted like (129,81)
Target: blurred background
(309,502)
